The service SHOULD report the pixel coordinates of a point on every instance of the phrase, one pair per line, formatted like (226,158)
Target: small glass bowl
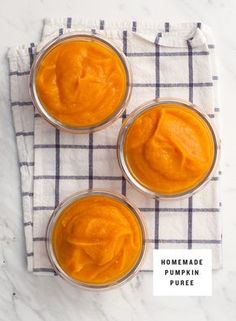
(43,111)
(50,228)
(122,159)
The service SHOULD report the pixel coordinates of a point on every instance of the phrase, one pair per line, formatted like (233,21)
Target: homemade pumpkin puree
(81,83)
(97,239)
(169,149)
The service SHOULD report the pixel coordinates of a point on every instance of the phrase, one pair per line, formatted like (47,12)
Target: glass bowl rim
(39,105)
(122,136)
(56,214)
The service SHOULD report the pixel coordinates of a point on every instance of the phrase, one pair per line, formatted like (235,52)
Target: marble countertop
(26,297)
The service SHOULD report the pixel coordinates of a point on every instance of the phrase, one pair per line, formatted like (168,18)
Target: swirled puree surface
(81,83)
(97,240)
(169,149)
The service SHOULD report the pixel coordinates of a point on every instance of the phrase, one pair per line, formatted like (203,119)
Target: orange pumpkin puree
(97,240)
(169,149)
(81,83)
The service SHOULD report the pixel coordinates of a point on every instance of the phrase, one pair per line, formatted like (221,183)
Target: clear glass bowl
(43,111)
(122,158)
(49,244)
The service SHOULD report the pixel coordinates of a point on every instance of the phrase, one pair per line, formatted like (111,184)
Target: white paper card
(182,272)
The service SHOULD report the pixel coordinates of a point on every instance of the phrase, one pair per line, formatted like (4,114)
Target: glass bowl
(41,108)
(122,157)
(51,252)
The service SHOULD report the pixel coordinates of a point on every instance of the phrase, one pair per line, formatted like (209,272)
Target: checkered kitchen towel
(167,61)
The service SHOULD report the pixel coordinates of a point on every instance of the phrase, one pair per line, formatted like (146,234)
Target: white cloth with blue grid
(167,61)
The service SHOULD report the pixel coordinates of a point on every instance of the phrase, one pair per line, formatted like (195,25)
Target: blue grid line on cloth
(26,195)
(190,199)
(86,177)
(57,167)
(125,50)
(157,95)
(152,209)
(91,144)
(170,241)
(91,147)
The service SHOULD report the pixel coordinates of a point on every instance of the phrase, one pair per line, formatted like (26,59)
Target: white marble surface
(26,297)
